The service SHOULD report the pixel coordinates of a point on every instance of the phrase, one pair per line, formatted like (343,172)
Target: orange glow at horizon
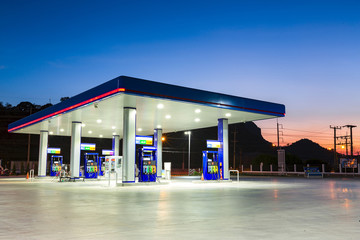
(324,136)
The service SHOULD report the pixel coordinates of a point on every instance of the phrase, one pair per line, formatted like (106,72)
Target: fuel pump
(56,164)
(212,167)
(91,165)
(147,164)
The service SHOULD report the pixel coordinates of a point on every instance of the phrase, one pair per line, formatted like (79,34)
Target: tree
(45,106)
(266,159)
(27,168)
(22,169)
(8,106)
(64,99)
(315,161)
(25,107)
(13,171)
(292,159)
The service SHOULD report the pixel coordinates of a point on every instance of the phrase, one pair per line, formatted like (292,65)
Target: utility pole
(351,139)
(280,152)
(278,132)
(335,154)
(346,143)
(278,139)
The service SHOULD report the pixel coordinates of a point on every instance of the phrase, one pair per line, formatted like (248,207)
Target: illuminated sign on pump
(213,144)
(54,150)
(144,140)
(106,152)
(88,146)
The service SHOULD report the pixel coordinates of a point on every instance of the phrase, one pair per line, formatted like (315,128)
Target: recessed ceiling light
(100,135)
(61,129)
(114,133)
(139,129)
(158,126)
(83,125)
(51,133)
(99,121)
(197,119)
(228,114)
(113,127)
(197,110)
(90,132)
(160,106)
(168,116)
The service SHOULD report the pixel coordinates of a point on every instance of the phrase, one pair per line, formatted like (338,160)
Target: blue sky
(304,54)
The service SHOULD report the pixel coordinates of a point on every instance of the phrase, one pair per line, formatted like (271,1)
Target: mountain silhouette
(307,150)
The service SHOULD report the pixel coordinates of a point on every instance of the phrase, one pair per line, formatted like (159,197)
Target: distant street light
(189,134)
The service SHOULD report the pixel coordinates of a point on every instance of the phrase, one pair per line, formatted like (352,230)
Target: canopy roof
(158,105)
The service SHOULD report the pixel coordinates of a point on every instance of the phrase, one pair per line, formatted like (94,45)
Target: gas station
(138,112)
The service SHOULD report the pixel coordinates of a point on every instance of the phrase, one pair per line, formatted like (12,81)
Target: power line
(305,131)
(298,136)
(297,130)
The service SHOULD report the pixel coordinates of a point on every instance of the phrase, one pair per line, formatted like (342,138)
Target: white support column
(294,167)
(323,168)
(129,145)
(223,136)
(43,153)
(158,145)
(75,149)
(116,145)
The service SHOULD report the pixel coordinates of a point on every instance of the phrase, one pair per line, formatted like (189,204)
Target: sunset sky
(304,54)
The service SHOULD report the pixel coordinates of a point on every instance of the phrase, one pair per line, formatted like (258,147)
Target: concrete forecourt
(254,208)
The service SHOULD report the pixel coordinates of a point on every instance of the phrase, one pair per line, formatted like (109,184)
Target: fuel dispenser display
(212,167)
(56,164)
(91,165)
(147,164)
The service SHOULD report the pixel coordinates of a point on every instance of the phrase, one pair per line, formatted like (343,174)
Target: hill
(307,150)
